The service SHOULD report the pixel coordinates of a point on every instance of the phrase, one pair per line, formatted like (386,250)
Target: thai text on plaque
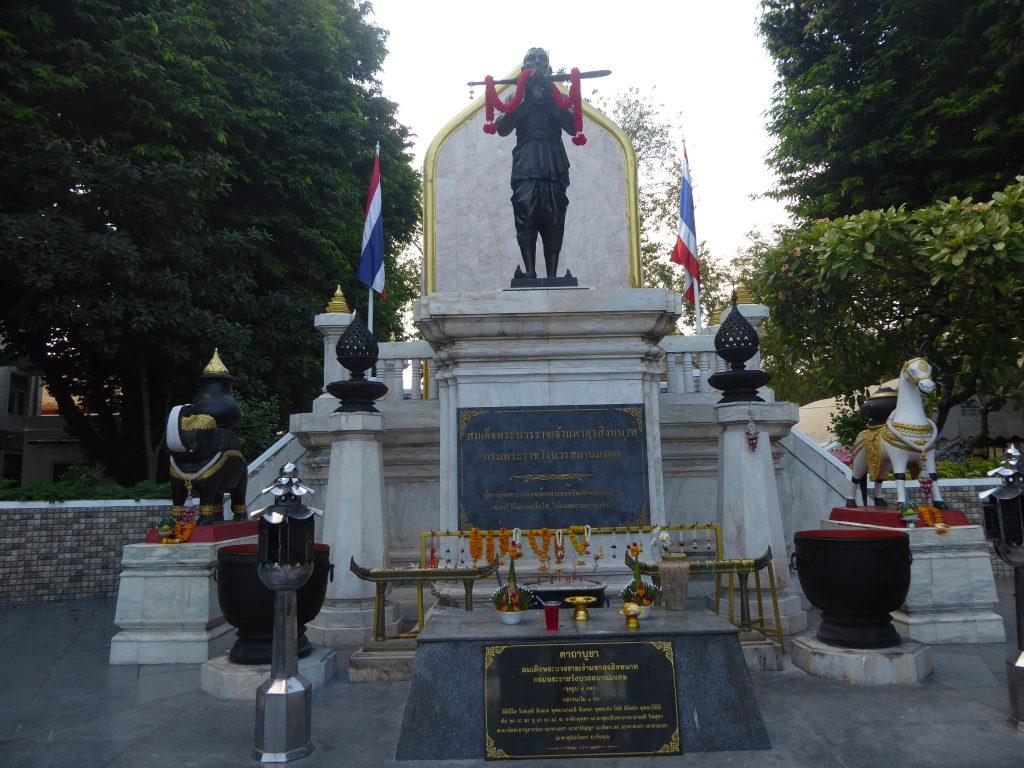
(580,699)
(552,466)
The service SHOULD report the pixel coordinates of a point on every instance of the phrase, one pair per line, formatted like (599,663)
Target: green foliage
(260,427)
(851,299)
(82,482)
(886,102)
(659,157)
(973,466)
(847,422)
(180,176)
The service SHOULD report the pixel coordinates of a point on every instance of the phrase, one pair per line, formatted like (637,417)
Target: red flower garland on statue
(573,101)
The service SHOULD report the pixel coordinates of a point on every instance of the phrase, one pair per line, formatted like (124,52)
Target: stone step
(223,679)
(375,666)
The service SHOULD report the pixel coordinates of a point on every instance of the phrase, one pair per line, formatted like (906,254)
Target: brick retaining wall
(68,551)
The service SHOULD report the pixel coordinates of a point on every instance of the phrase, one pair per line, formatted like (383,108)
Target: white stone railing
(402,365)
(405,360)
(689,361)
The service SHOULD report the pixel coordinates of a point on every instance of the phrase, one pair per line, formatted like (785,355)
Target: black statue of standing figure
(540,173)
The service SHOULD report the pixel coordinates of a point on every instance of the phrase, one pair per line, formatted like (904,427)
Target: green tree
(886,102)
(180,175)
(658,147)
(853,298)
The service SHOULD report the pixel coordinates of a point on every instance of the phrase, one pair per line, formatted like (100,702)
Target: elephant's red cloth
(887,517)
(208,534)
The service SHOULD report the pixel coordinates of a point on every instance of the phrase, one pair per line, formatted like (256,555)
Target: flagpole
(369,301)
(696,302)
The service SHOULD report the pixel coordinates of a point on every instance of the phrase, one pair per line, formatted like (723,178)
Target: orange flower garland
(932,517)
(182,533)
(504,541)
(490,546)
(476,545)
(540,551)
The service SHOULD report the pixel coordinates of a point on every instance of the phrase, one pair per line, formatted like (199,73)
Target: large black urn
(248,605)
(856,578)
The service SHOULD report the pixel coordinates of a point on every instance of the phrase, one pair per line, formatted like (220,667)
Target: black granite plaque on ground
(599,699)
(552,466)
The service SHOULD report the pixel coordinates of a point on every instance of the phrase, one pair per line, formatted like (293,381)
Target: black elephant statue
(206,460)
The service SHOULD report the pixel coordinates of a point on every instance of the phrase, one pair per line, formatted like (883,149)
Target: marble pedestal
(353,523)
(546,348)
(748,499)
(167,606)
(910,662)
(952,597)
(444,716)
(223,679)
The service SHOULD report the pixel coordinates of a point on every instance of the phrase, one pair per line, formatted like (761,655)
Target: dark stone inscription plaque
(607,699)
(553,466)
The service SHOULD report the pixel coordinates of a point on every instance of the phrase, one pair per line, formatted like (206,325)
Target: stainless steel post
(284,703)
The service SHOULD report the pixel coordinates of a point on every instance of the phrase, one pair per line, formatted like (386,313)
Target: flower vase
(511,617)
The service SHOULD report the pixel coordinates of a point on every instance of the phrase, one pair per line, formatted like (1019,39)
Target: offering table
(483,689)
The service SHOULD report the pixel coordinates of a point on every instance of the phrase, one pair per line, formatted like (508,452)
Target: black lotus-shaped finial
(736,340)
(357,350)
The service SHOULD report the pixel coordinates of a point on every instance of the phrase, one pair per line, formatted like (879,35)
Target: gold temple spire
(338,303)
(216,365)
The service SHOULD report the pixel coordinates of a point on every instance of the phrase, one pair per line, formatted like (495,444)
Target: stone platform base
(378,666)
(717,709)
(349,623)
(954,626)
(224,679)
(763,657)
(167,608)
(910,662)
(792,613)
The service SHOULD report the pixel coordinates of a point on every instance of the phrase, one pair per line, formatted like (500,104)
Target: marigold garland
(540,551)
(932,517)
(490,546)
(476,545)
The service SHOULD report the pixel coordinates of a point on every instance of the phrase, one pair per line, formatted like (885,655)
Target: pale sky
(703,56)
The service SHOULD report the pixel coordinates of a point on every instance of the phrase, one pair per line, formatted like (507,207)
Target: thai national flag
(371,263)
(685,252)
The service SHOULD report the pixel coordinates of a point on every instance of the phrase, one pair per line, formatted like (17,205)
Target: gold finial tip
(216,365)
(743,295)
(337,302)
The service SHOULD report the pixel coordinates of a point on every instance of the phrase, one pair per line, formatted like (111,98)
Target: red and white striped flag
(685,251)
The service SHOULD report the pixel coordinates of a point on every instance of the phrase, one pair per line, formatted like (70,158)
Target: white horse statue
(907,438)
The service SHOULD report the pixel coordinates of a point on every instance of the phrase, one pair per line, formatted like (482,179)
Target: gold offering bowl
(632,612)
(579,604)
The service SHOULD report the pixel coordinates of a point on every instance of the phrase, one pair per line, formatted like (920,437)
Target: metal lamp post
(1003,508)
(284,702)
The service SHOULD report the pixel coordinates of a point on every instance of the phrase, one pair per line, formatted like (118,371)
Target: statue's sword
(554,78)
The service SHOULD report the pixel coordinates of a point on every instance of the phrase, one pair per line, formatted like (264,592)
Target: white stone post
(672,372)
(417,375)
(354,524)
(332,325)
(748,497)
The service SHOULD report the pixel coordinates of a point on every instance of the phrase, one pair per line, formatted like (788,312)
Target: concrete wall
(67,551)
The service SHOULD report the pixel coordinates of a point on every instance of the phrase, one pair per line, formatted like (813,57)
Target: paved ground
(62,706)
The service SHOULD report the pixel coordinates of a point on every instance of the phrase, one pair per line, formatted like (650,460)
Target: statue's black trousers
(539,206)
